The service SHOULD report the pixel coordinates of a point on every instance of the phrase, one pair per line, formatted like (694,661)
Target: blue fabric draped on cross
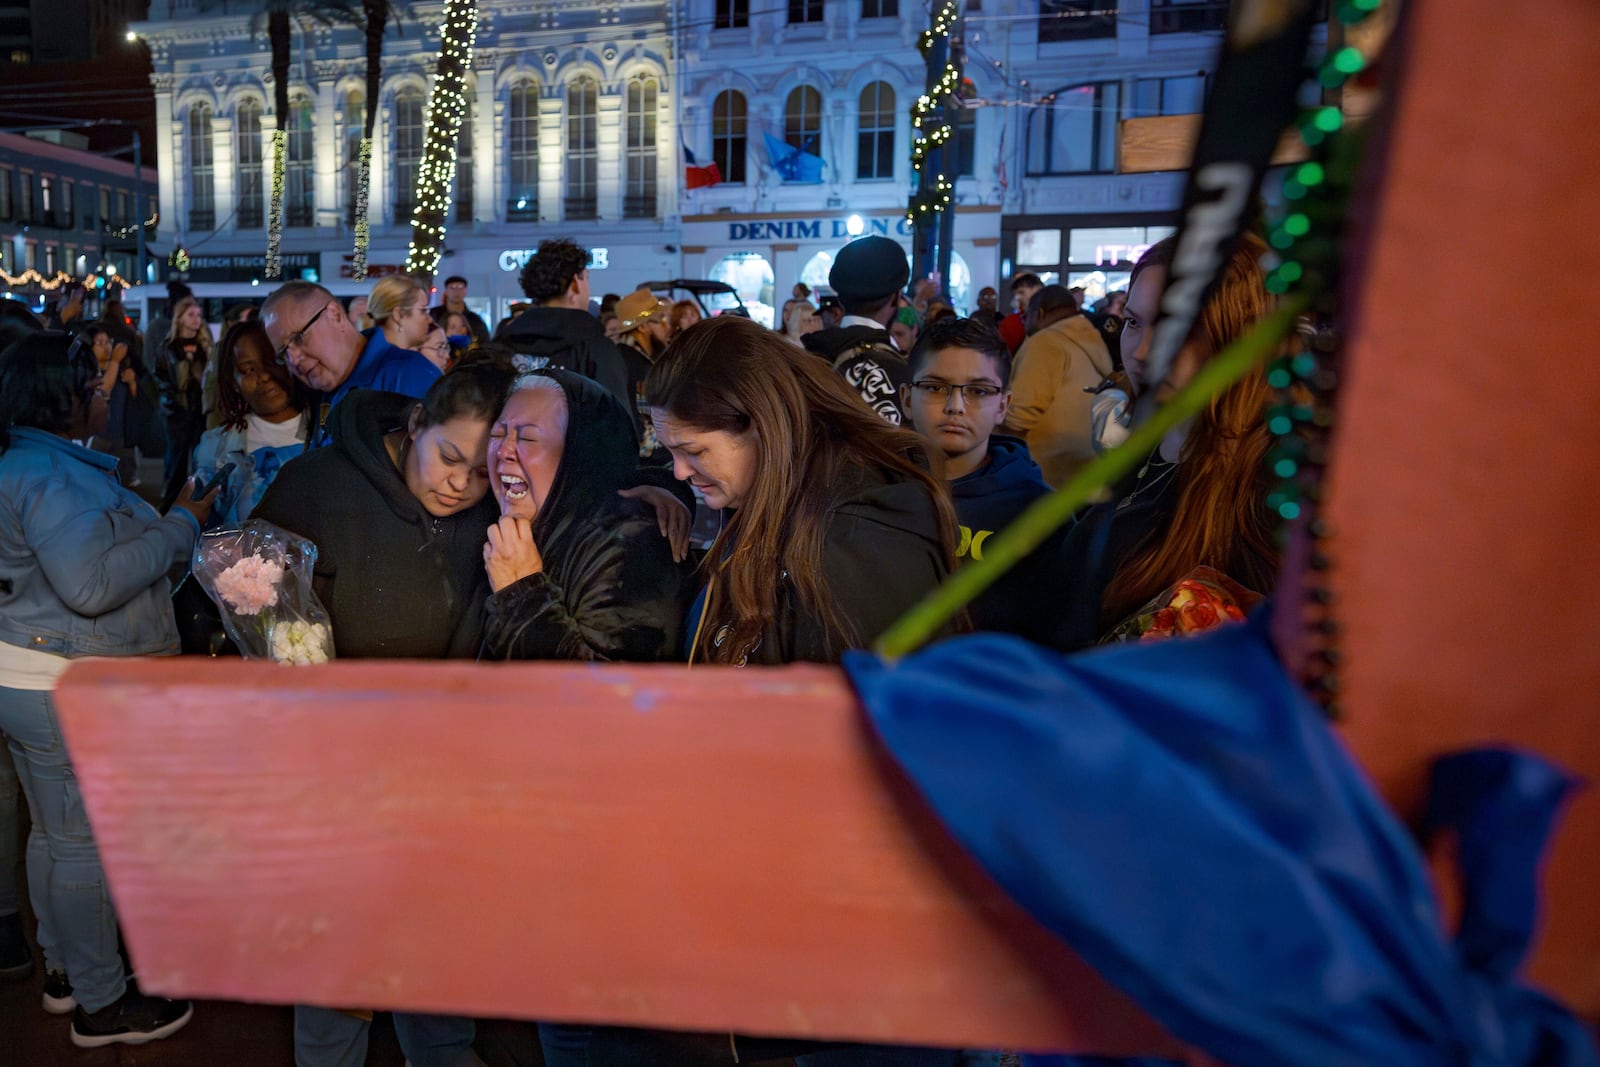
(1181,815)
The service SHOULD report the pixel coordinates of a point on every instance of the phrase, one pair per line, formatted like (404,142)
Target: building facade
(65,210)
(583,117)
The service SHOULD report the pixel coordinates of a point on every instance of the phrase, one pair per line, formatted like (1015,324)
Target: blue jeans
(10,832)
(324,1037)
(77,926)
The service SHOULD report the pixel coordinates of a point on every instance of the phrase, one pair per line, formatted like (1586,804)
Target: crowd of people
(529,493)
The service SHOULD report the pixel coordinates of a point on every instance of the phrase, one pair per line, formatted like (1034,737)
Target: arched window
(1077,132)
(729,122)
(463,196)
(802,120)
(300,179)
(407,151)
(583,157)
(247,153)
(875,133)
(639,199)
(202,202)
(522,152)
(353,118)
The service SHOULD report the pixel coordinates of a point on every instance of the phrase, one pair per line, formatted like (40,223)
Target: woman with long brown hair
(834,524)
(180,369)
(1200,498)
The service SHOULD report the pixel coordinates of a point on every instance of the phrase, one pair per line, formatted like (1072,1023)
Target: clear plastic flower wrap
(260,577)
(1205,599)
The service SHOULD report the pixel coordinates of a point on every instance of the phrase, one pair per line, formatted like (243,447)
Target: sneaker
(132,1020)
(58,994)
(16,958)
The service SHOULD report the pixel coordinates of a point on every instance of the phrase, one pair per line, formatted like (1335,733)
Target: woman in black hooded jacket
(577,572)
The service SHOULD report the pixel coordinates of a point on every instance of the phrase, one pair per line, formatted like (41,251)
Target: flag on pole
(792,164)
(697,177)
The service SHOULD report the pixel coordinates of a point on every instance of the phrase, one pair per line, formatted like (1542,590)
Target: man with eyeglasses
(313,335)
(1063,359)
(959,394)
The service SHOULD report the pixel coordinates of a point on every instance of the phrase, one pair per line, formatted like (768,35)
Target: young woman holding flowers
(1200,499)
(397,505)
(83,572)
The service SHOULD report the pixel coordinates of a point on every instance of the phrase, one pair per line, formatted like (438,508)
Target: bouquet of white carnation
(260,576)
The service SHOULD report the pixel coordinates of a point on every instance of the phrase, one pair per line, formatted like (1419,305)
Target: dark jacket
(881,555)
(636,365)
(868,362)
(568,339)
(1026,598)
(179,367)
(609,589)
(1094,548)
(396,581)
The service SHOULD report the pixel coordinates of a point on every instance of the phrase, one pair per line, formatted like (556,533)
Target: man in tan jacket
(1062,357)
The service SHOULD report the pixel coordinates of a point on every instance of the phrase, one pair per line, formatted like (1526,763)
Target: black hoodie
(881,554)
(609,589)
(868,362)
(568,339)
(396,581)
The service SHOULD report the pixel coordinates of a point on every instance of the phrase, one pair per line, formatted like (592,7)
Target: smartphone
(216,480)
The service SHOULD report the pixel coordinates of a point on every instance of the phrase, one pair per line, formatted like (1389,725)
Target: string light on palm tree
(375,20)
(931,125)
(437,173)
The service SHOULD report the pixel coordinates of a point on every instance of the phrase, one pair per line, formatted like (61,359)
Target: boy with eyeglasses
(959,395)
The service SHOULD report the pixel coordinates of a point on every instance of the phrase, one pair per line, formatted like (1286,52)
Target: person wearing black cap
(1063,356)
(868,275)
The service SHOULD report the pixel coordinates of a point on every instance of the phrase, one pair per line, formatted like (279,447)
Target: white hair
(528,376)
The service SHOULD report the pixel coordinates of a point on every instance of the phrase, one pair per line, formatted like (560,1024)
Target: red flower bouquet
(1205,599)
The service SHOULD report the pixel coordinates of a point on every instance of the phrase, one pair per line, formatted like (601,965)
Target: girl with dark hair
(83,572)
(834,523)
(397,505)
(265,415)
(1200,498)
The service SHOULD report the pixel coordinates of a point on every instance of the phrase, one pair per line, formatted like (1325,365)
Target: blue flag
(791,163)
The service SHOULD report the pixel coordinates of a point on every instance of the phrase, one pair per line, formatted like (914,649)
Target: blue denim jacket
(83,561)
(252,472)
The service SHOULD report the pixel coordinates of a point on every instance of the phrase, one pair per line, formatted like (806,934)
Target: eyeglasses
(296,339)
(969,393)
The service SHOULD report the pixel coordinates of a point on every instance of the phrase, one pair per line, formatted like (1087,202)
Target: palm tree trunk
(278,36)
(436,176)
(377,19)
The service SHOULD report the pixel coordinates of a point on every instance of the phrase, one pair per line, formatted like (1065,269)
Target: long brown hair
(730,374)
(202,337)
(1221,519)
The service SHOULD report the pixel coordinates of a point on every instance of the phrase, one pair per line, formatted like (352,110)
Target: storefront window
(1108,245)
(1038,248)
(751,276)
